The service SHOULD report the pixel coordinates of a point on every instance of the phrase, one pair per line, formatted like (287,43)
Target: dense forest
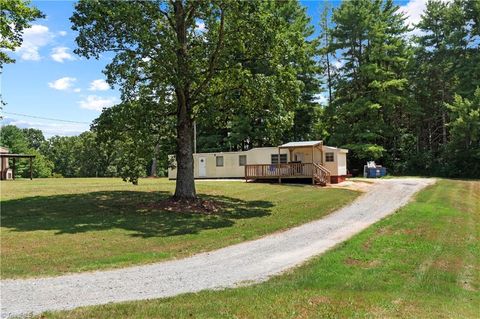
(408,98)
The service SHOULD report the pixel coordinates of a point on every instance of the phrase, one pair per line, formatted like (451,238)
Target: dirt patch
(306,310)
(352,261)
(408,231)
(197,206)
(379,232)
(360,263)
(384,231)
(359,186)
(451,265)
(466,278)
(318,300)
(366,245)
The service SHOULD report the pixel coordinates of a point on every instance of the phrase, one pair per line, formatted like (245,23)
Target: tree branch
(219,93)
(191,11)
(169,19)
(213,58)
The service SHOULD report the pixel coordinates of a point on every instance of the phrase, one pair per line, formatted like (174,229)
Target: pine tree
(446,62)
(370,92)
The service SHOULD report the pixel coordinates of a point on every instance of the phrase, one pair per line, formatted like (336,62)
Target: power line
(44,118)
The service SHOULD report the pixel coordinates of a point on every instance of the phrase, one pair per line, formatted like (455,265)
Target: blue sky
(49,81)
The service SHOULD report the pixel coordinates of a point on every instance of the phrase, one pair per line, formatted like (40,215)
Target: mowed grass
(422,262)
(56,226)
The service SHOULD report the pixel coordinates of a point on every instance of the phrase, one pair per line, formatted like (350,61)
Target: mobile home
(310,159)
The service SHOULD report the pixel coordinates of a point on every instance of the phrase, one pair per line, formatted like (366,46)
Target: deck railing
(278,170)
(288,170)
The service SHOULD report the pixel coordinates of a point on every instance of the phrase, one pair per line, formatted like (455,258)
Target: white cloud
(62,33)
(34,38)
(61,54)
(77,90)
(320,99)
(97,103)
(338,63)
(99,85)
(62,84)
(414,10)
(200,27)
(48,128)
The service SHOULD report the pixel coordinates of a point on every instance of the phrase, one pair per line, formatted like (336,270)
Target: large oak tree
(180,54)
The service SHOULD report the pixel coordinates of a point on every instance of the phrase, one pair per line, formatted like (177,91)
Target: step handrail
(323,173)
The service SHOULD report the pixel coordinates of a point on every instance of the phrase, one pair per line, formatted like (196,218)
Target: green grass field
(55,226)
(422,262)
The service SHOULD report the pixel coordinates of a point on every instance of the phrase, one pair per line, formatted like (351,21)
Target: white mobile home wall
(231,162)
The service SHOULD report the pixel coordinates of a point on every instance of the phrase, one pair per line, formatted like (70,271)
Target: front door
(202,167)
(299,157)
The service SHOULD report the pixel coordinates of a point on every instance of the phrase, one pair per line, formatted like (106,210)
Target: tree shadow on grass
(128,210)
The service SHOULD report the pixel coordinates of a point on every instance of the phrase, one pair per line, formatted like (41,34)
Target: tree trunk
(185,185)
(153,169)
(444,127)
(329,75)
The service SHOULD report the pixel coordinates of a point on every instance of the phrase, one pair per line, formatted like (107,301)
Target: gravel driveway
(250,262)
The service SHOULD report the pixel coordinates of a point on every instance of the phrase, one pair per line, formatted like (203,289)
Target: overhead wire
(44,118)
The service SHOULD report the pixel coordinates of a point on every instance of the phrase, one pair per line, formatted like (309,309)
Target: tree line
(74,156)
(252,76)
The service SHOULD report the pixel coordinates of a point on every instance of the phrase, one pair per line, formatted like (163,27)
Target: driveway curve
(252,261)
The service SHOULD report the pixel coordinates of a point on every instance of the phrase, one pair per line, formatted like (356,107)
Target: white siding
(231,162)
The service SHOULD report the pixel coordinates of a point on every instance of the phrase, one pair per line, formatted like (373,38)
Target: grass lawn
(55,226)
(422,262)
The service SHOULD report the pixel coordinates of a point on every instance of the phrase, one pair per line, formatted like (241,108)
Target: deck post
(278,167)
(321,153)
(13,168)
(313,174)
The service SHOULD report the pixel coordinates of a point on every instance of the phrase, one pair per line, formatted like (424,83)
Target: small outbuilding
(7,172)
(295,160)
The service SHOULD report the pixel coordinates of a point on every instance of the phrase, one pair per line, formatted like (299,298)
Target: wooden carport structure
(14,157)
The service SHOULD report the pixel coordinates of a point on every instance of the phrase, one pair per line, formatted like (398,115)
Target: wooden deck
(318,173)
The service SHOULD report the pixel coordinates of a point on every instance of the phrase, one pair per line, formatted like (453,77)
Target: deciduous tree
(190,51)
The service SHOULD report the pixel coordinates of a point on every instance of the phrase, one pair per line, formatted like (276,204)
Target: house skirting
(209,178)
(337,179)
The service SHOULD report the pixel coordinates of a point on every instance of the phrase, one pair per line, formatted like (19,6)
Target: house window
(242,160)
(329,157)
(219,160)
(274,158)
